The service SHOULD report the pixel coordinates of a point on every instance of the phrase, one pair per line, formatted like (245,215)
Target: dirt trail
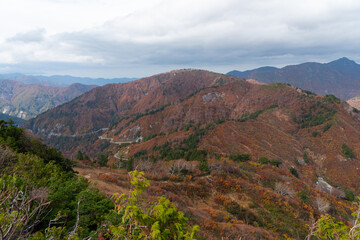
(107,180)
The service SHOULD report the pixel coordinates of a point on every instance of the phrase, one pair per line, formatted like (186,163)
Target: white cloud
(141,37)
(36,35)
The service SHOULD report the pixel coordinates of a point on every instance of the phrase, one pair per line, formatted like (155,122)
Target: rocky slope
(28,100)
(340,77)
(354,102)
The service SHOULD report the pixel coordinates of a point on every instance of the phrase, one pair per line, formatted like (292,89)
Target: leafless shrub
(215,166)
(354,231)
(322,204)
(143,165)
(221,166)
(39,194)
(158,167)
(6,157)
(25,210)
(284,189)
(177,166)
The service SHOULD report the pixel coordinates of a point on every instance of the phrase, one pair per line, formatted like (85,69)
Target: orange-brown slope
(105,105)
(276,131)
(228,101)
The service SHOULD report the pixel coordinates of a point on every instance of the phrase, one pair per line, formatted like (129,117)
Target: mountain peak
(343,61)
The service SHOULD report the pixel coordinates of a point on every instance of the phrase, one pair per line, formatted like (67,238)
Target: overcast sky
(122,38)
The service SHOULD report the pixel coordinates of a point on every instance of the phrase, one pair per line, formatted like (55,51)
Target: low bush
(240,157)
(347,151)
(293,171)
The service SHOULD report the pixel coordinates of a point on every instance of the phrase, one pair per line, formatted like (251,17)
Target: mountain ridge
(61,80)
(340,77)
(28,100)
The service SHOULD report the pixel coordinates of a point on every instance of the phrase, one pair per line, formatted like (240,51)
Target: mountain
(28,100)
(101,106)
(61,80)
(276,120)
(17,121)
(354,102)
(241,159)
(340,77)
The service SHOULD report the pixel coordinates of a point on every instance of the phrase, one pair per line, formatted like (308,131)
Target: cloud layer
(116,38)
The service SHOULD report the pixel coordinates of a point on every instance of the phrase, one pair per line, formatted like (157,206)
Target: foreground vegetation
(41,197)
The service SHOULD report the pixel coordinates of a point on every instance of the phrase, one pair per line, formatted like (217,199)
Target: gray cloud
(36,35)
(217,35)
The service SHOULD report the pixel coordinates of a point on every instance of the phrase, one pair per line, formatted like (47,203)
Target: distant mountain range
(340,77)
(61,80)
(17,121)
(28,100)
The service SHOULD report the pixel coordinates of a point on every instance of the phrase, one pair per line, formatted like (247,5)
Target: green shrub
(240,213)
(326,127)
(151,136)
(203,166)
(264,160)
(347,151)
(315,134)
(195,155)
(124,145)
(294,172)
(129,164)
(254,115)
(187,127)
(103,159)
(141,219)
(305,157)
(175,154)
(316,115)
(80,156)
(140,153)
(349,195)
(331,99)
(240,157)
(219,121)
(308,92)
(304,195)
(275,162)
